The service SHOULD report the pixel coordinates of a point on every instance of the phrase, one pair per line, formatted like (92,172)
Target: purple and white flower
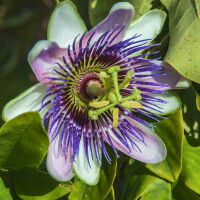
(92,87)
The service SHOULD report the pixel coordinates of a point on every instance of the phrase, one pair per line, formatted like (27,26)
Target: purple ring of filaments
(69,121)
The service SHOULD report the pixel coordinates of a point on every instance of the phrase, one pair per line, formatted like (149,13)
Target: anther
(115,117)
(99,104)
(132,104)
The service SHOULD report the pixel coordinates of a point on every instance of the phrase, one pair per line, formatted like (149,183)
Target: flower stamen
(131,104)
(99,104)
(115,117)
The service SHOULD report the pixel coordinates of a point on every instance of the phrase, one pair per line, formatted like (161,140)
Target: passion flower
(93,85)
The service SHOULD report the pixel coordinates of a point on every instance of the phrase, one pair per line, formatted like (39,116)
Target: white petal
(174,103)
(172,79)
(153,151)
(43,58)
(37,49)
(120,13)
(65,24)
(81,167)
(122,5)
(149,25)
(59,164)
(183,83)
(30,100)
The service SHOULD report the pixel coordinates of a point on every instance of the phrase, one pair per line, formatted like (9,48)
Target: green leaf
(98,10)
(188,184)
(83,191)
(6,187)
(82,7)
(196,88)
(141,182)
(23,142)
(181,192)
(111,195)
(197,4)
(171,131)
(124,163)
(183,52)
(191,115)
(191,163)
(33,184)
(141,6)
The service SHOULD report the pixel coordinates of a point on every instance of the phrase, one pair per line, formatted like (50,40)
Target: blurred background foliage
(22,24)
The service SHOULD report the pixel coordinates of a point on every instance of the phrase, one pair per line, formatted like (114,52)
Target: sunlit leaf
(181,192)
(33,184)
(191,115)
(191,163)
(171,131)
(83,191)
(23,142)
(188,184)
(141,6)
(196,88)
(142,182)
(197,4)
(183,52)
(111,195)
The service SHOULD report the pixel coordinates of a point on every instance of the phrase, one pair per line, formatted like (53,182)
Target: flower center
(113,96)
(90,87)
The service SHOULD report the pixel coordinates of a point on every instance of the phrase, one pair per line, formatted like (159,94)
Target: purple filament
(70,121)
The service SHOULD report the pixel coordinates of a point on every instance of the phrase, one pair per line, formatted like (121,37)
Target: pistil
(112,96)
(127,79)
(113,71)
(93,114)
(94,89)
